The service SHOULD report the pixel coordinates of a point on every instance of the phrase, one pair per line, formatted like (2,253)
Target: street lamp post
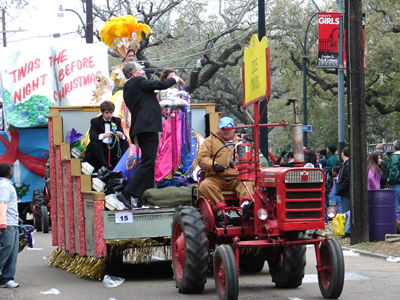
(341,125)
(264,118)
(305,83)
(89,19)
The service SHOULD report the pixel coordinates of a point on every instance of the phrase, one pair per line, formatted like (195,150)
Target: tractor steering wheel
(225,167)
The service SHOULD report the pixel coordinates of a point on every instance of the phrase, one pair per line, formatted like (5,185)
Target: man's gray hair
(396,144)
(380,147)
(129,68)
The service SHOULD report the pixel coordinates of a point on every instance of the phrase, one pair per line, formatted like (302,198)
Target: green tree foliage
(216,33)
(13,8)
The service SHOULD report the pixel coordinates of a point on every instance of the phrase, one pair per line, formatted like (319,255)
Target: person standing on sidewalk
(331,161)
(393,171)
(343,188)
(9,234)
(380,148)
(374,167)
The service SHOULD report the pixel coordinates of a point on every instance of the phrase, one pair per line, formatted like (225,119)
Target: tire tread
(38,202)
(292,272)
(196,253)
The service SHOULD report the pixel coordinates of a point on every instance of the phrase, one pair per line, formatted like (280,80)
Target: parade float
(90,234)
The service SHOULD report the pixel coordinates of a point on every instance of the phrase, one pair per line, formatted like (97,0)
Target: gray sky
(42,22)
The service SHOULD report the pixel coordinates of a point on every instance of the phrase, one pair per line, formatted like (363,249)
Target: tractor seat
(230,196)
(228,193)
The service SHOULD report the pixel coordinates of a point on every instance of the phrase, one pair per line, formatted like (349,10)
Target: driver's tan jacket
(207,151)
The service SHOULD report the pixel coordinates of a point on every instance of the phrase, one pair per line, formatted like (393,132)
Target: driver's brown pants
(212,186)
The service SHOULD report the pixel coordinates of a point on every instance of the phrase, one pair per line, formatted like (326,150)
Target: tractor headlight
(331,212)
(262,214)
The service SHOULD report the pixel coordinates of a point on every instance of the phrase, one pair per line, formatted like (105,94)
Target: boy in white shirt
(9,234)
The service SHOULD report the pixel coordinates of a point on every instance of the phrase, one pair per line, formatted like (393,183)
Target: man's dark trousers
(100,151)
(143,177)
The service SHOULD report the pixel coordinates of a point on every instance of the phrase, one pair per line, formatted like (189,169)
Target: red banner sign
(344,42)
(328,47)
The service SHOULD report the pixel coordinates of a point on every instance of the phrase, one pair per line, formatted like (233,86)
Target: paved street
(367,278)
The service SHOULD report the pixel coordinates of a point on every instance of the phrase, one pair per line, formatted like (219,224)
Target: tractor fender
(208,215)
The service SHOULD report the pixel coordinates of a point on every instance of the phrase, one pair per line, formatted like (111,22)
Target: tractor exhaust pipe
(297,132)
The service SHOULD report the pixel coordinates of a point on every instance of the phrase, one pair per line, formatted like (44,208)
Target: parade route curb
(366,253)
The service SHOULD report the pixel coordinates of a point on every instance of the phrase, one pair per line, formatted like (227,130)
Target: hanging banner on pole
(328,46)
(344,42)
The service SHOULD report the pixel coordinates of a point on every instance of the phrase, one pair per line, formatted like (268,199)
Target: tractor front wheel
(331,277)
(45,219)
(189,250)
(38,203)
(226,273)
(286,266)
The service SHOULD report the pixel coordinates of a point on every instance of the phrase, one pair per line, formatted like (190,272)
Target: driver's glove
(219,168)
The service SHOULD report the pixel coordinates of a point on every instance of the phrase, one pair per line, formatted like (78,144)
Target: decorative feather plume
(122,27)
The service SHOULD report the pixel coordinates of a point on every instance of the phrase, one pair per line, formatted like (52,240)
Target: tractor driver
(212,185)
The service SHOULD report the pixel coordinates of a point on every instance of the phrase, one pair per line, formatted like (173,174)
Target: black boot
(220,221)
(246,214)
(121,198)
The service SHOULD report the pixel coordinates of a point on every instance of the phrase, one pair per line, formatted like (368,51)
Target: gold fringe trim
(139,250)
(54,257)
(134,250)
(251,251)
(248,252)
(82,266)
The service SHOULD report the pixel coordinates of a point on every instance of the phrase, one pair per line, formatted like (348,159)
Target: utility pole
(89,22)
(305,122)
(341,124)
(264,119)
(356,107)
(4,32)
(3,18)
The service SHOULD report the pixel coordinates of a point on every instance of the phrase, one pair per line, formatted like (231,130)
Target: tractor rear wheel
(286,266)
(252,260)
(252,266)
(331,277)
(226,273)
(45,219)
(38,202)
(189,250)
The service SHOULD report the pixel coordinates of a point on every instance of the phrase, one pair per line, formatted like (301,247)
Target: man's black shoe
(136,202)
(246,214)
(121,198)
(220,221)
(346,235)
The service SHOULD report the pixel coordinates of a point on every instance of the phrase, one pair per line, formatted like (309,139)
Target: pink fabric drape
(169,148)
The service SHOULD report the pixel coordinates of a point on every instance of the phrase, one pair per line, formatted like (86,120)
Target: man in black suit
(104,150)
(146,123)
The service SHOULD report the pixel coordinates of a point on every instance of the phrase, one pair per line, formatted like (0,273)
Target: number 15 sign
(123,217)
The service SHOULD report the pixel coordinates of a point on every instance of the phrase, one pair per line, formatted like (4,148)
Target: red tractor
(288,201)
